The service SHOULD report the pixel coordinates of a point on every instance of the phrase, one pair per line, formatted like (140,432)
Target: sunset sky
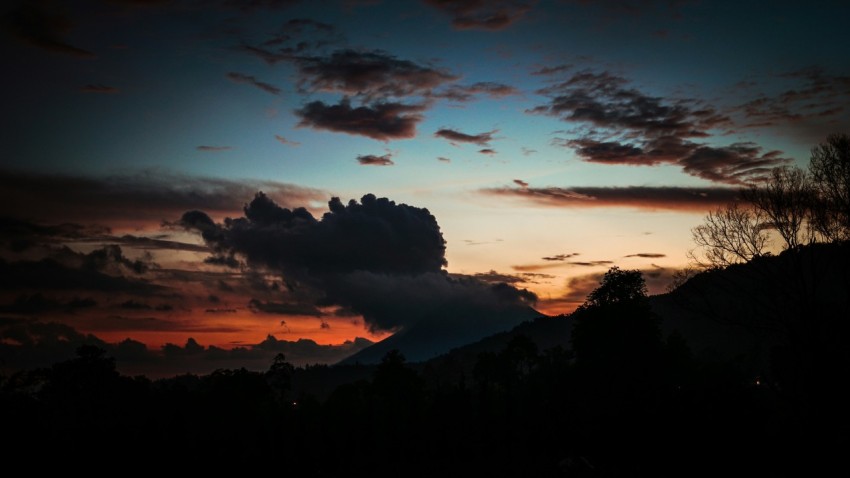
(549,140)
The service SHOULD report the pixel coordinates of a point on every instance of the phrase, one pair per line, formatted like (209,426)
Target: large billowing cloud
(619,124)
(378,258)
(382,121)
(639,197)
(483,14)
(133,199)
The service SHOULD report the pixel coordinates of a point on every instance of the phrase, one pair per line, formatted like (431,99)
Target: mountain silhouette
(431,337)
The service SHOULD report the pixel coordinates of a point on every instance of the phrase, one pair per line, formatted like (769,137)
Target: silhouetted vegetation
(618,399)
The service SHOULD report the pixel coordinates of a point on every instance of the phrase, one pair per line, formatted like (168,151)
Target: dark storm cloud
(45,25)
(369,74)
(463,93)
(250,80)
(373,160)
(378,258)
(481,139)
(281,308)
(381,121)
(642,197)
(102,89)
(213,149)
(483,14)
(133,198)
(376,235)
(622,125)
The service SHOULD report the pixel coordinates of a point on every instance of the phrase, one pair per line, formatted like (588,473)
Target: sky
(495,153)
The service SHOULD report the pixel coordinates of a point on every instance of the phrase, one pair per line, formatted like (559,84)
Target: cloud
(298,36)
(639,197)
(373,160)
(444,159)
(560,257)
(213,149)
(103,89)
(463,93)
(250,80)
(280,308)
(369,75)
(285,141)
(520,183)
(44,25)
(487,151)
(559,264)
(381,121)
(27,344)
(50,274)
(483,15)
(133,199)
(481,139)
(619,124)
(377,258)
(647,255)
(33,304)
(813,95)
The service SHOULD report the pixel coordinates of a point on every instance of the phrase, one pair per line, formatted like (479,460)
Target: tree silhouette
(830,170)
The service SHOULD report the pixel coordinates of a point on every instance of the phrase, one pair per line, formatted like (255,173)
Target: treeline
(619,399)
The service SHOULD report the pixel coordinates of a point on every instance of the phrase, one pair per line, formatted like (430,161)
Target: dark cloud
(213,149)
(377,258)
(619,124)
(520,183)
(487,151)
(560,257)
(44,25)
(647,255)
(97,271)
(33,304)
(444,159)
(641,197)
(133,199)
(373,160)
(494,277)
(813,94)
(285,141)
(298,36)
(381,121)
(552,70)
(559,263)
(102,89)
(369,75)
(135,305)
(250,80)
(481,139)
(281,308)
(483,14)
(463,93)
